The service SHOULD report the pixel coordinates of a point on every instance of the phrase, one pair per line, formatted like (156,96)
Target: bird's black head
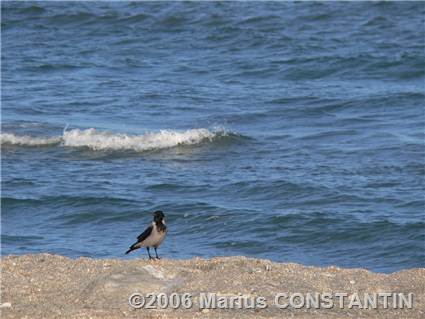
(158,216)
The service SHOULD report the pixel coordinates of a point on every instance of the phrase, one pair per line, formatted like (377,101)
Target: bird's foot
(158,258)
(151,258)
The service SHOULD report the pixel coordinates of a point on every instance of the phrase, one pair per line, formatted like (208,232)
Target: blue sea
(288,131)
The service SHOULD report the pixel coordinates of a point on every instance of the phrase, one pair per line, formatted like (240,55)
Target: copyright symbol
(136,300)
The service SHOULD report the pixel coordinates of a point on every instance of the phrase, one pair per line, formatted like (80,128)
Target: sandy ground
(52,286)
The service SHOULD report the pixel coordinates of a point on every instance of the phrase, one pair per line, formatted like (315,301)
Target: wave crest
(25,140)
(150,141)
(100,140)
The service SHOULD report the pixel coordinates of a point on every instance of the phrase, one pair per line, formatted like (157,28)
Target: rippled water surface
(289,131)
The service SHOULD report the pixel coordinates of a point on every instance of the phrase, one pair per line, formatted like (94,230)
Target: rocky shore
(52,286)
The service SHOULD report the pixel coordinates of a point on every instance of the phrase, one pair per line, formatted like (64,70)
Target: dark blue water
(289,131)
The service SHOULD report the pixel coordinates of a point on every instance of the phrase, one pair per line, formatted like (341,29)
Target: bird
(153,236)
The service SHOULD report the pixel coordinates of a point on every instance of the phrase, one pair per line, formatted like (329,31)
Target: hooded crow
(153,236)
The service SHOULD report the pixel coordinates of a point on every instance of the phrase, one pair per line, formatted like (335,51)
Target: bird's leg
(156,254)
(150,257)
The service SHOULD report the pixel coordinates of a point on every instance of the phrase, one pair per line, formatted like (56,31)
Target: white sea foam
(109,141)
(7,138)
(99,140)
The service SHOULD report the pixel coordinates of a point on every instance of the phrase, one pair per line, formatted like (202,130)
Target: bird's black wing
(140,238)
(145,234)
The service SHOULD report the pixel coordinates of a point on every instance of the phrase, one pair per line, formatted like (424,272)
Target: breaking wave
(101,140)
(25,140)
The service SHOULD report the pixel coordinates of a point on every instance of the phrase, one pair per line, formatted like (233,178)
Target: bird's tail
(132,247)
